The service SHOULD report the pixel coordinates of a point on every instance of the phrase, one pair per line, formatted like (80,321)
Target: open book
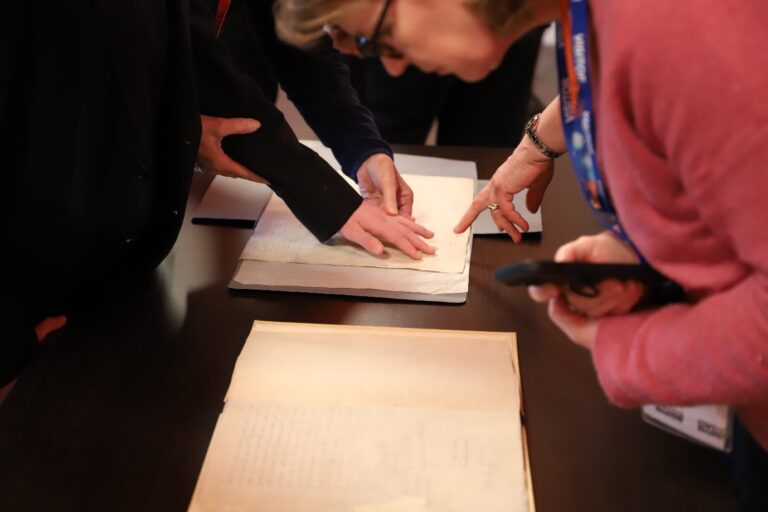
(322,418)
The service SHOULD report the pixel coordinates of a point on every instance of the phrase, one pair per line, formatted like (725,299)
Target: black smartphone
(582,278)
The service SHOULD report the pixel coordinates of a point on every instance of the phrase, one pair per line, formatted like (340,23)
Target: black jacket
(98,131)
(99,127)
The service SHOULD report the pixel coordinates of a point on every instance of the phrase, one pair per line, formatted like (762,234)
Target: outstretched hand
(212,159)
(369,225)
(525,168)
(378,179)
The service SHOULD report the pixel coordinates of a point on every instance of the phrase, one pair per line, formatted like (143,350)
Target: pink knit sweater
(682,122)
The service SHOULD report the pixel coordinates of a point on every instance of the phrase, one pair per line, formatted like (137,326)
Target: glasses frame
(370,46)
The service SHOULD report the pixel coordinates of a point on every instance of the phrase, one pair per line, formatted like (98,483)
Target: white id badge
(710,425)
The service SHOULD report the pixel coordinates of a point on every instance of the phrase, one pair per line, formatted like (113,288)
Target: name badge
(710,425)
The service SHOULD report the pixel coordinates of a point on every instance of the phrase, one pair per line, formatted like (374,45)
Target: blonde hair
(302,22)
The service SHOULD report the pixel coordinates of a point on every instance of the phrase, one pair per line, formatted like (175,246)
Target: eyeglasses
(370,46)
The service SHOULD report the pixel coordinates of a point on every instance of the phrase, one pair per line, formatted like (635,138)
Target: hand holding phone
(582,278)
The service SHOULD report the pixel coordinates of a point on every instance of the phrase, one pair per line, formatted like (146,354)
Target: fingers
(479,203)
(576,250)
(400,240)
(240,126)
(539,185)
(510,220)
(212,158)
(533,199)
(415,239)
(468,218)
(510,213)
(615,298)
(544,292)
(222,127)
(505,225)
(604,247)
(579,329)
(404,198)
(410,224)
(47,326)
(561,314)
(506,217)
(419,244)
(518,172)
(388,189)
(406,236)
(355,233)
(378,176)
(369,222)
(558,307)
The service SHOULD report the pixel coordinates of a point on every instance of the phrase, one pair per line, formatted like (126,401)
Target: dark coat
(99,127)
(98,132)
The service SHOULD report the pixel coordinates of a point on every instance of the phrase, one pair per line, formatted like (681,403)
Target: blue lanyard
(577,114)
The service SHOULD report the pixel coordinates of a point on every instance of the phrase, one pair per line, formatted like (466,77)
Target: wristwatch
(530,131)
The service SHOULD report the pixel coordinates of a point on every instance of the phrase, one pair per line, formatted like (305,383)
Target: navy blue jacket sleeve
(318,83)
(314,192)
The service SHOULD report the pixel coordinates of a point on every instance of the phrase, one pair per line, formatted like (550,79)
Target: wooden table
(118,411)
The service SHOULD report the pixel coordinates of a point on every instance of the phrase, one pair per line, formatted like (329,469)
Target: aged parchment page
(440,200)
(356,419)
(396,283)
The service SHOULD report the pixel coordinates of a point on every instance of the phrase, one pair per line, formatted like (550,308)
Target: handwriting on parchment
(351,451)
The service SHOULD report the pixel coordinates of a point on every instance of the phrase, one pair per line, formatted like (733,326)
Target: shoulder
(684,70)
(685,33)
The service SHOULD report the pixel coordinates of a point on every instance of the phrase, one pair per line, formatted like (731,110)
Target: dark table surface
(117,412)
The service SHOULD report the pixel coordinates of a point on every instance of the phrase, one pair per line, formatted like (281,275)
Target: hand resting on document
(383,215)
(370,224)
(378,179)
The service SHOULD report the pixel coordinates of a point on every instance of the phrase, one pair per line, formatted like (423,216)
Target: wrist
(544,146)
(373,159)
(366,157)
(528,152)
